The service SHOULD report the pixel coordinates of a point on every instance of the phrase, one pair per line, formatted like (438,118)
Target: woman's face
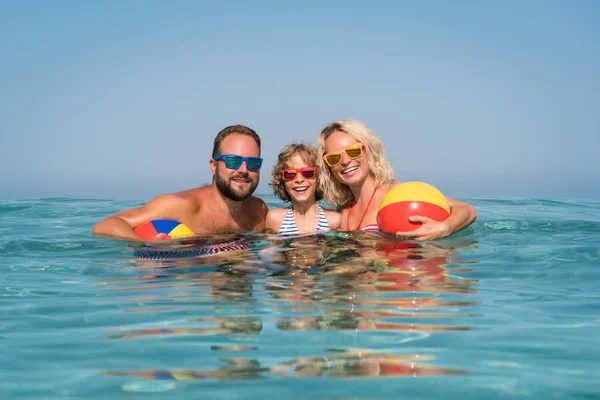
(349,171)
(300,189)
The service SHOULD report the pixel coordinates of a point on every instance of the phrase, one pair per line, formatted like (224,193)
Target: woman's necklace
(364,213)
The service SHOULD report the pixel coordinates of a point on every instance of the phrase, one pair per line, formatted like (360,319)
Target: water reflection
(309,285)
(238,325)
(349,364)
(360,321)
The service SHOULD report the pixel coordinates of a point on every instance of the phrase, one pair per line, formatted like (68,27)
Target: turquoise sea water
(505,309)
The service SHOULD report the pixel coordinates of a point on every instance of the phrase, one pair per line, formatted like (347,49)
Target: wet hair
(335,192)
(308,154)
(237,129)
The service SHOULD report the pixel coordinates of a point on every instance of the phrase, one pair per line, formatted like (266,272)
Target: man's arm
(121,224)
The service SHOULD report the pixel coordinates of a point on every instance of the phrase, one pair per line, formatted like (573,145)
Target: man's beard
(226,187)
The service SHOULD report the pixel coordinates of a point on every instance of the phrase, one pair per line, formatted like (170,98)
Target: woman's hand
(430,229)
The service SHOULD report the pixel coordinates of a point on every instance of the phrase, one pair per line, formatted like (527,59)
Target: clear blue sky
(122,99)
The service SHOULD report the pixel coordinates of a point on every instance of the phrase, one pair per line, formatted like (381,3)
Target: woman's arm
(462,215)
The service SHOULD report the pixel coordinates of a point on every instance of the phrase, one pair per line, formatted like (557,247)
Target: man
(225,206)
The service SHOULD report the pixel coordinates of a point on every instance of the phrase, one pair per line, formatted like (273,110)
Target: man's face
(236,184)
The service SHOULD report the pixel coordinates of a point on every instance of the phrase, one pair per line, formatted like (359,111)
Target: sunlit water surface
(507,308)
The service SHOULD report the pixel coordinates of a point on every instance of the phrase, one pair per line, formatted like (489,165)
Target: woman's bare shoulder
(334,218)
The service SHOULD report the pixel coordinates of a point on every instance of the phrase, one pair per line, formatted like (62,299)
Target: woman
(294,178)
(355,176)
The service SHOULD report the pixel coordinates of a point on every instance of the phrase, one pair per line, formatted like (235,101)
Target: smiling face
(350,171)
(238,184)
(300,189)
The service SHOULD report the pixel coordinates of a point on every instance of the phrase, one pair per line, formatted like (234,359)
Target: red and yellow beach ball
(162,229)
(410,199)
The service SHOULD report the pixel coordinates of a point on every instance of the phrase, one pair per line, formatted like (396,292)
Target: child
(295,179)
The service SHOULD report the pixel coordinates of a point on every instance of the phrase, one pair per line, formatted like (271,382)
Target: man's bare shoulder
(191,197)
(257,210)
(257,204)
(194,192)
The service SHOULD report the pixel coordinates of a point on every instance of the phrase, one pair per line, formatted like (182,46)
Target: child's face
(301,189)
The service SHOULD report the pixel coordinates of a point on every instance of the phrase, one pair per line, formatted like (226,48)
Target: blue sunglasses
(233,161)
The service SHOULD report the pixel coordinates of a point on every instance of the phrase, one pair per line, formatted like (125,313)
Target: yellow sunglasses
(335,157)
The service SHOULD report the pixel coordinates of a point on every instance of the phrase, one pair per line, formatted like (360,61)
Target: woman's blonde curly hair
(335,192)
(308,154)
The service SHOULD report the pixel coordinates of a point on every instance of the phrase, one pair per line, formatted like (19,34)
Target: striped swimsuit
(288,226)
